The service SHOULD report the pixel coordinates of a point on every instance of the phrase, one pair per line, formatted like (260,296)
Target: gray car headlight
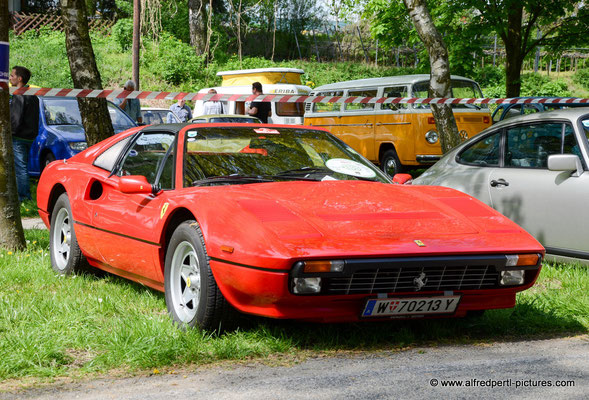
(78,146)
(431,137)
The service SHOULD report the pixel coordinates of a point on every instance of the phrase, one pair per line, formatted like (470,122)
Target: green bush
(582,78)
(122,33)
(174,61)
(541,85)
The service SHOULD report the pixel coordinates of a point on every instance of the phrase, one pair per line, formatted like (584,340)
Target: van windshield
(460,90)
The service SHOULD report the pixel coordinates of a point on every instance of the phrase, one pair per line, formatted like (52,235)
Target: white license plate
(411,306)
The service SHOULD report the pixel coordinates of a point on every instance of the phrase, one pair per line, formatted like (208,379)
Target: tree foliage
(521,25)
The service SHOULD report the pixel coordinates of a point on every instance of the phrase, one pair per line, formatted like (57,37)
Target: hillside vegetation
(171,65)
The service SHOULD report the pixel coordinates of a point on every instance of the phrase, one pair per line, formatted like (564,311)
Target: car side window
(109,157)
(327,107)
(395,91)
(483,152)
(360,106)
(152,156)
(514,111)
(528,146)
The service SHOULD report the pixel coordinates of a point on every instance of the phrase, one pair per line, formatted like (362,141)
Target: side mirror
(136,184)
(565,162)
(402,179)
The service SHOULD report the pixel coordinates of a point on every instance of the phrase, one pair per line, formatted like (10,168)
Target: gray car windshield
(237,155)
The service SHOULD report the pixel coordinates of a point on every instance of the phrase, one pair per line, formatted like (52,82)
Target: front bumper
(267,293)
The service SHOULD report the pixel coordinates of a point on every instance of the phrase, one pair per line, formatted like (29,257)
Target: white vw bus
(273,80)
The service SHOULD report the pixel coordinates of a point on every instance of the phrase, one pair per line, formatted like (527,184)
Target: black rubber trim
(278,271)
(567,253)
(118,234)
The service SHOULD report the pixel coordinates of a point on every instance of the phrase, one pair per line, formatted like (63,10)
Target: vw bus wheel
(390,163)
(192,296)
(66,256)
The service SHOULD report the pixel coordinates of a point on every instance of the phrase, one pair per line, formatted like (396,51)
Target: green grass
(54,326)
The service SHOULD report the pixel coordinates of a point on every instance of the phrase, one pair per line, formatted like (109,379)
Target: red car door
(128,224)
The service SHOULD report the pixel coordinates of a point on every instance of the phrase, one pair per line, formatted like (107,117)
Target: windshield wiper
(296,173)
(228,179)
(303,171)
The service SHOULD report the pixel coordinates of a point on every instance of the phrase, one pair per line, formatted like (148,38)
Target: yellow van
(396,136)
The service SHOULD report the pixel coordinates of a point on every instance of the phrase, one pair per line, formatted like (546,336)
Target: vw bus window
(327,107)
(290,109)
(396,91)
(460,89)
(360,106)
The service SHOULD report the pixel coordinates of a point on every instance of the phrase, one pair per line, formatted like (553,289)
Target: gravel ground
(526,370)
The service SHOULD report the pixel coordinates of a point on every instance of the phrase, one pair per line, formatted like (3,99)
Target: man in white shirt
(213,107)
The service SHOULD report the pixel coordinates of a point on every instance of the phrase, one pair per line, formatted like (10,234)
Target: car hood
(69,133)
(355,218)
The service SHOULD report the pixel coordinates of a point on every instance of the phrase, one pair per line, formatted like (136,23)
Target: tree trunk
(85,75)
(197,25)
(512,38)
(440,84)
(11,232)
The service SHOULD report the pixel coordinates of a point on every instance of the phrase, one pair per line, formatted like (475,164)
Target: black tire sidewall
(391,155)
(188,231)
(63,202)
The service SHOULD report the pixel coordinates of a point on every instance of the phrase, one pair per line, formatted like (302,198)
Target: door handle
(499,182)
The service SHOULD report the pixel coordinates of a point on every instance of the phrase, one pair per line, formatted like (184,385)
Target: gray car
(534,170)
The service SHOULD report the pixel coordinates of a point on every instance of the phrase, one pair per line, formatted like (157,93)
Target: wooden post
(298,47)
(316,48)
(362,43)
(494,50)
(136,40)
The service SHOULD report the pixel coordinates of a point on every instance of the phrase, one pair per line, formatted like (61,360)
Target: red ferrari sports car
(277,221)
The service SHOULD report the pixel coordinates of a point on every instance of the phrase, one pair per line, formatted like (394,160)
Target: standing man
(213,107)
(24,122)
(260,109)
(182,111)
(131,106)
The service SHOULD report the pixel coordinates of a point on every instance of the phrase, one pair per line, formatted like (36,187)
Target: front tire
(390,163)
(66,256)
(192,296)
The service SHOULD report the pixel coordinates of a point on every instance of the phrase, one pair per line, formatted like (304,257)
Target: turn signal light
(486,119)
(522,260)
(431,120)
(323,266)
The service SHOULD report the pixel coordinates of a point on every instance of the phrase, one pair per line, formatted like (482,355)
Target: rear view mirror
(135,184)
(565,162)
(402,179)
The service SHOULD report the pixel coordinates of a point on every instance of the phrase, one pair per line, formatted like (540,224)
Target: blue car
(61,133)
(505,111)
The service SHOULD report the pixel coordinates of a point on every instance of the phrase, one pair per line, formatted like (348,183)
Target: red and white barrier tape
(280,98)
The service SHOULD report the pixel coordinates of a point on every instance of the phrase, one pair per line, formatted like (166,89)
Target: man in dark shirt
(260,109)
(24,122)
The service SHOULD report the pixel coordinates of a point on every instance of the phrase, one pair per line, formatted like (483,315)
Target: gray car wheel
(192,296)
(66,256)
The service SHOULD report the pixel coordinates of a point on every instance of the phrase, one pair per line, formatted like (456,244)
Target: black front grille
(414,279)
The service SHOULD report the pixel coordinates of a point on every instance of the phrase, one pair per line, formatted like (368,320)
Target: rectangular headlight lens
(509,278)
(306,285)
